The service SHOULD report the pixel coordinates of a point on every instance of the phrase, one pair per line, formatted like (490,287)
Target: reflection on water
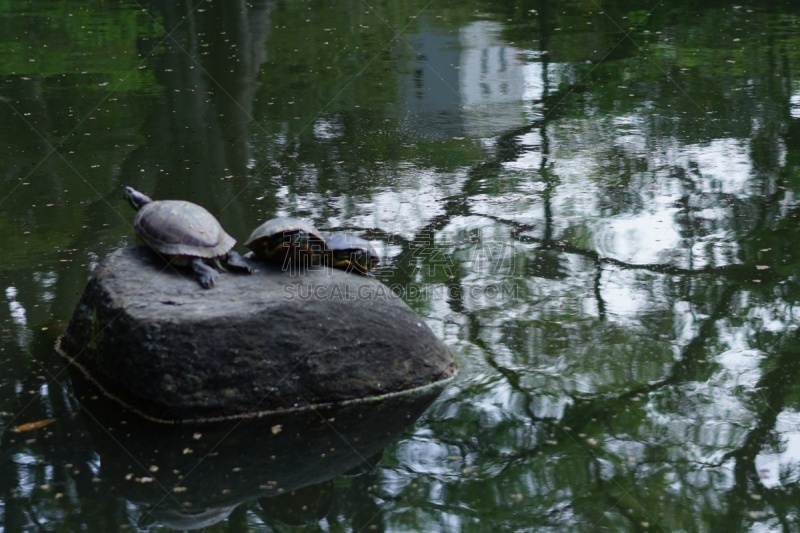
(593,205)
(187,477)
(780,467)
(18,318)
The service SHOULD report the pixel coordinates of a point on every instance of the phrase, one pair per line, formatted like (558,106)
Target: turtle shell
(350,252)
(278,237)
(180,228)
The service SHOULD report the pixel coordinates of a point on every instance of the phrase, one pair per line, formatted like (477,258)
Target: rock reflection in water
(189,477)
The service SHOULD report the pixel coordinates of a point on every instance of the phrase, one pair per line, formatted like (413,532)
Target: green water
(592,203)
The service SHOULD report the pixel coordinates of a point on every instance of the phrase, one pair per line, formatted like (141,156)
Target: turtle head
(364,260)
(135,198)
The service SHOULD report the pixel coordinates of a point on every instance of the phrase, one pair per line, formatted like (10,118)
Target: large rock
(151,338)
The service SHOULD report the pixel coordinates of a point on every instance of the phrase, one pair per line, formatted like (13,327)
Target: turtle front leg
(206,275)
(235,261)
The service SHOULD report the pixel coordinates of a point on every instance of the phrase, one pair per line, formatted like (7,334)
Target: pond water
(592,203)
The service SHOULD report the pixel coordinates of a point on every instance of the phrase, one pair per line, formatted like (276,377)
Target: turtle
(350,253)
(185,234)
(286,239)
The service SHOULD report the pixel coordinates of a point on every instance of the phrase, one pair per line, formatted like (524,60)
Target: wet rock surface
(151,338)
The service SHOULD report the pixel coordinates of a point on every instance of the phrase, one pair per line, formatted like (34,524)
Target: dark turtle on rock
(185,234)
(283,240)
(350,253)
